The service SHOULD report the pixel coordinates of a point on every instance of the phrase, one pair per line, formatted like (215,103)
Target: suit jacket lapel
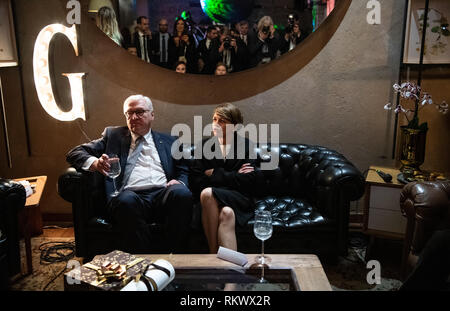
(159,144)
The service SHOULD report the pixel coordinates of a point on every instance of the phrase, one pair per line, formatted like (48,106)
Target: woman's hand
(176,40)
(272,31)
(209,172)
(246,168)
(185,38)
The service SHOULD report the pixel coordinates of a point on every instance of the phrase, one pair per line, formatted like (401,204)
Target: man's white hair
(137,98)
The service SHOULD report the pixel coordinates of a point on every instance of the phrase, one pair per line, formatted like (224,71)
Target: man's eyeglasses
(138,113)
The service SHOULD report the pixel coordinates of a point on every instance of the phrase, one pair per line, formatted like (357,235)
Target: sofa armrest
(68,182)
(9,187)
(85,190)
(426,206)
(333,182)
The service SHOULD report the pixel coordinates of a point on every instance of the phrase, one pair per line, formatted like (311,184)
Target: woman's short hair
(136,98)
(229,112)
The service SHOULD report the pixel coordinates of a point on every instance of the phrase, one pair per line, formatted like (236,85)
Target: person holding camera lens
(227,49)
(293,34)
(233,52)
(265,45)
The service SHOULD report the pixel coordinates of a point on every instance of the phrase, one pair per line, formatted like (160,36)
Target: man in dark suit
(208,51)
(153,186)
(162,47)
(142,38)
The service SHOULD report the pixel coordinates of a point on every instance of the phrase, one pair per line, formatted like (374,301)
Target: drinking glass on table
(263,231)
(114,171)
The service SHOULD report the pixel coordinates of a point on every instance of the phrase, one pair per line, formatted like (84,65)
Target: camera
(266,29)
(227,43)
(290,26)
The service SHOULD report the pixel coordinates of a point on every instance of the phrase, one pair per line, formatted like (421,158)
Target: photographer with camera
(293,34)
(233,51)
(265,46)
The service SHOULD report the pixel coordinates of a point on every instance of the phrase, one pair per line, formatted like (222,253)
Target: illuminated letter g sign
(42,75)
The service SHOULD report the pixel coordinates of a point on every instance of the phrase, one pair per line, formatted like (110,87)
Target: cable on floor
(53,252)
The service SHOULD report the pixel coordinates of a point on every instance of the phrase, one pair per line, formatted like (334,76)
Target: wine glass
(114,171)
(263,231)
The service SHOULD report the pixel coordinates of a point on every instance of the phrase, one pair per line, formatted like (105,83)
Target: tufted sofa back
(304,171)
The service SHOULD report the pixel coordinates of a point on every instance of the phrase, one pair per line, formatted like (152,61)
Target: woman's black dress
(229,187)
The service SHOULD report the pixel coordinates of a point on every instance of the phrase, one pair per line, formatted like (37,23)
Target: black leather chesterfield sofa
(308,194)
(12,200)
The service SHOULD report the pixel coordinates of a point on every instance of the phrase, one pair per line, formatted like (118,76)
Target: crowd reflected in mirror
(216,50)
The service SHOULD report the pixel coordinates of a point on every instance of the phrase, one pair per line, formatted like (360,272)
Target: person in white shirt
(243,31)
(153,186)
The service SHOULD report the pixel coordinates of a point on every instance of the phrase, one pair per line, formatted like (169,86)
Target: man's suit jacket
(117,140)
(137,44)
(209,56)
(156,54)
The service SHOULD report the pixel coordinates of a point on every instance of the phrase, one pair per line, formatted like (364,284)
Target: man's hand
(209,172)
(222,47)
(246,168)
(233,44)
(173,182)
(101,165)
(148,33)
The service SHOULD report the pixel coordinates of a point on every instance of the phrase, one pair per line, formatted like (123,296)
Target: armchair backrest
(426,205)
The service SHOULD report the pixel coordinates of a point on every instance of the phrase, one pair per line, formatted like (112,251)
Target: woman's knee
(206,195)
(227,216)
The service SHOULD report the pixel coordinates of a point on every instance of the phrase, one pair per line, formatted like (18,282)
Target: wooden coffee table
(308,269)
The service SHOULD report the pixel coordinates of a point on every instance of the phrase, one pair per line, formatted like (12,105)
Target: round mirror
(199,35)
(249,40)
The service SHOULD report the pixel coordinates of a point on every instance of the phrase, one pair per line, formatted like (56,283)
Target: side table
(30,218)
(382,215)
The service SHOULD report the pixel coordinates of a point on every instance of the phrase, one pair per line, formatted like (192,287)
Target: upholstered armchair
(426,206)
(12,199)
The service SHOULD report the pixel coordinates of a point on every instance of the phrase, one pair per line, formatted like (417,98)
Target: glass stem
(262,251)
(262,274)
(114,183)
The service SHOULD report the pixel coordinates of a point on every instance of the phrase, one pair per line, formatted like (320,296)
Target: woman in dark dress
(223,180)
(185,49)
